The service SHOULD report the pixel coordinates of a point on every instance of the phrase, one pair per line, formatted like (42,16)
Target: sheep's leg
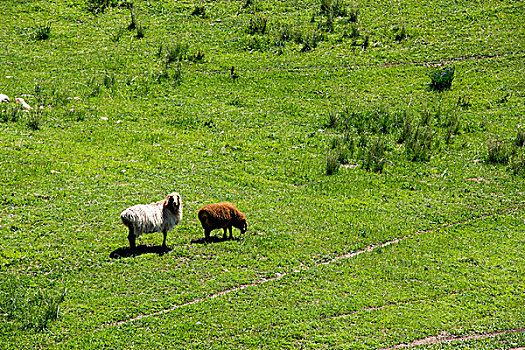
(207,234)
(165,233)
(225,235)
(131,238)
(231,234)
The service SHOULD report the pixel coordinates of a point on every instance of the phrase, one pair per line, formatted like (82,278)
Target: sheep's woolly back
(154,217)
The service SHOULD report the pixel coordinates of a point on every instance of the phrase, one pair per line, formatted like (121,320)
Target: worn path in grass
(445,338)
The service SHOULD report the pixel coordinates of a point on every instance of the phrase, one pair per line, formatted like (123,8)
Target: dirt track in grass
(443,337)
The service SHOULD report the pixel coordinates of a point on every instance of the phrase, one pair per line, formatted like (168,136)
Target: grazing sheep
(4,98)
(221,215)
(154,217)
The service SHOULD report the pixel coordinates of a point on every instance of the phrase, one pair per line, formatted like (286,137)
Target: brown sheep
(221,215)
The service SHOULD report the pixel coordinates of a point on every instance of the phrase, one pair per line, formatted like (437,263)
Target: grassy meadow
(376,148)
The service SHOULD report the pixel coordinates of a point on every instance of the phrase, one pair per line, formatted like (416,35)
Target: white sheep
(4,98)
(155,217)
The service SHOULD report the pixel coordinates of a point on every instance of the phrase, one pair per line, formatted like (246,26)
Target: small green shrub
(34,122)
(362,143)
(289,33)
(133,24)
(374,156)
(387,121)
(505,98)
(257,25)
(333,120)
(176,53)
(343,148)
(42,32)
(196,57)
(140,31)
(160,76)
(426,117)
(251,6)
(498,152)
(233,73)
(164,75)
(256,43)
(118,35)
(199,10)
(78,115)
(310,40)
(98,84)
(418,146)
(400,34)
(464,101)
(441,78)
(332,162)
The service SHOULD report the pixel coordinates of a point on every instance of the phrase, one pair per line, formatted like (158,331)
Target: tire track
(443,337)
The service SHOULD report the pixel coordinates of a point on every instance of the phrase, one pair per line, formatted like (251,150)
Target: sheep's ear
(168,200)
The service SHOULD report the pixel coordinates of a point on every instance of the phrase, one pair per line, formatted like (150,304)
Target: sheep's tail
(204,217)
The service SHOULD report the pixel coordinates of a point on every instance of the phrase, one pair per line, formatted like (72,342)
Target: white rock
(21,101)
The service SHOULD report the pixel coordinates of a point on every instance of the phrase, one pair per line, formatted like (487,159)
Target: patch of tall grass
(29,308)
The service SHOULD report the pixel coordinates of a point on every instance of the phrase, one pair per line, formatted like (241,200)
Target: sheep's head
(173,202)
(242,224)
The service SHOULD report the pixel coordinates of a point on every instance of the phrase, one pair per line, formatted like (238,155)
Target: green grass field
(382,211)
